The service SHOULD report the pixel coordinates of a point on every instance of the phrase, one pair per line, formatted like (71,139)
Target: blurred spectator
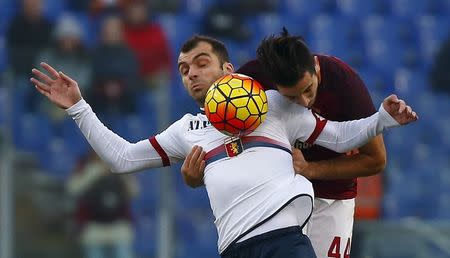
(225,20)
(68,54)
(28,33)
(103,209)
(96,7)
(148,42)
(115,71)
(439,76)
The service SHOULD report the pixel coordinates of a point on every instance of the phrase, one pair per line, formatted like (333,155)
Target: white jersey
(248,180)
(255,178)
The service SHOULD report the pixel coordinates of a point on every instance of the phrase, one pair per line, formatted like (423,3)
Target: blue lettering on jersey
(198,124)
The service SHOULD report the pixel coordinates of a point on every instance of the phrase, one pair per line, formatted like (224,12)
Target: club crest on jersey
(233,146)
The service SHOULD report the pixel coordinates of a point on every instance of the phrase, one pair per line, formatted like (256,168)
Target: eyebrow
(195,57)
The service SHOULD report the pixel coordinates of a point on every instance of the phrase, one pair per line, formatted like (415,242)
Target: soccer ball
(236,104)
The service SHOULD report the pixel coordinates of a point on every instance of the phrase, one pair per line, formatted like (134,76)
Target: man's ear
(228,67)
(316,65)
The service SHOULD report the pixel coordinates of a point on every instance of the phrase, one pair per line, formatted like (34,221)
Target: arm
(370,160)
(345,136)
(120,155)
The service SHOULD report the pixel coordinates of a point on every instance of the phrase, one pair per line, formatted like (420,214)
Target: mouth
(196,86)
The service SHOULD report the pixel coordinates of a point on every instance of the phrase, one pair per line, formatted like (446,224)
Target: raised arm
(120,155)
(345,136)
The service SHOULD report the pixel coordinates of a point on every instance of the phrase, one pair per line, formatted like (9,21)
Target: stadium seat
(32,132)
(3,53)
(4,106)
(73,137)
(443,210)
(90,27)
(148,202)
(134,128)
(54,8)
(432,31)
(334,28)
(190,199)
(197,8)
(409,8)
(377,82)
(263,25)
(198,232)
(57,158)
(442,124)
(8,9)
(384,55)
(239,52)
(146,238)
(410,81)
(178,28)
(4,24)
(359,8)
(300,8)
(387,28)
(396,239)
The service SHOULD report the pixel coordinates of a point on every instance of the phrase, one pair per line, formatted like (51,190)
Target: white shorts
(330,227)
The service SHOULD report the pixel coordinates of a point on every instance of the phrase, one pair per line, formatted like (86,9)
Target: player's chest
(329,105)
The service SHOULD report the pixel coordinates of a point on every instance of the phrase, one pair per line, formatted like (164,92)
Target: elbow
(123,164)
(119,170)
(378,168)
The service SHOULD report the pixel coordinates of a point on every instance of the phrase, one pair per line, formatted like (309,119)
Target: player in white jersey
(253,194)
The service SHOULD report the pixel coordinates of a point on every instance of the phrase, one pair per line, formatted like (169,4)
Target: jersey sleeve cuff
(386,120)
(77,108)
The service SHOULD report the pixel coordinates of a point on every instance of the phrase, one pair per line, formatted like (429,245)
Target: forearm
(345,136)
(344,167)
(120,155)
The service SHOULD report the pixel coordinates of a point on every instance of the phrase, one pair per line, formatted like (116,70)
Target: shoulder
(335,66)
(278,103)
(254,69)
(338,75)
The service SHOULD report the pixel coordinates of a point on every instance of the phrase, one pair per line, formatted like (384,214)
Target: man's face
(304,92)
(199,68)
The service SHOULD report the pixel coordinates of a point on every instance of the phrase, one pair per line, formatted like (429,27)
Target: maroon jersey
(341,96)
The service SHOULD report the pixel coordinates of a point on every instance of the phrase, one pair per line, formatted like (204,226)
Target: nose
(192,73)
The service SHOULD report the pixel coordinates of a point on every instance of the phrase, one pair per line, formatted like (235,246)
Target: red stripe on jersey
(247,139)
(161,152)
(320,124)
(214,151)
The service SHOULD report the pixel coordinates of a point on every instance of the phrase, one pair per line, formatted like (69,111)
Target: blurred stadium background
(404,212)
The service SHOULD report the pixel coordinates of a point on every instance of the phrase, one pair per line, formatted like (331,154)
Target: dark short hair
(285,58)
(218,47)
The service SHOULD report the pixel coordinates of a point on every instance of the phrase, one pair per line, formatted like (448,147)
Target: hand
(300,164)
(59,88)
(398,109)
(193,167)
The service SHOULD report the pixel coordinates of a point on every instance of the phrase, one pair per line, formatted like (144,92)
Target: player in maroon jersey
(335,91)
